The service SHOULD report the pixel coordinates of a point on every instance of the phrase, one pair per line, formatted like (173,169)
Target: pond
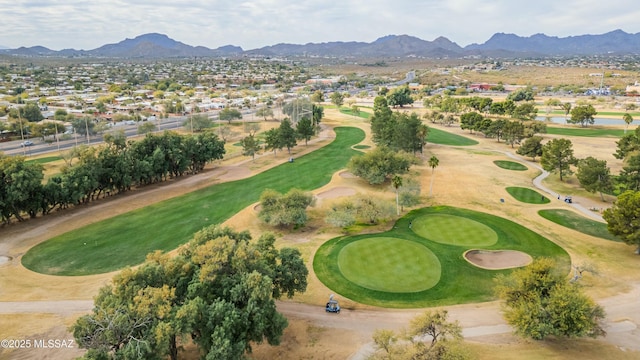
(597,121)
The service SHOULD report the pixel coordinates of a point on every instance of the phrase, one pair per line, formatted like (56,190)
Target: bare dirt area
(40,306)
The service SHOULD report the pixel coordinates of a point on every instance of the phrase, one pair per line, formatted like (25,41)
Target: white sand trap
(4,259)
(347,175)
(497,259)
(337,192)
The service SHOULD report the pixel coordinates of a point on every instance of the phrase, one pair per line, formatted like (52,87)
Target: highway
(40,147)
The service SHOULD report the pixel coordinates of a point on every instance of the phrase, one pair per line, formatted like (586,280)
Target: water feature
(597,121)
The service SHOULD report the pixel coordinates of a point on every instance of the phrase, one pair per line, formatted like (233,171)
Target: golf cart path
(537,182)
(477,320)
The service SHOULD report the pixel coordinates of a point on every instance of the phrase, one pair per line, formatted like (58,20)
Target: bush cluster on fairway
(460,281)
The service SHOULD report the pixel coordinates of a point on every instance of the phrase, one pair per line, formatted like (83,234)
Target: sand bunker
(497,259)
(336,192)
(4,259)
(347,175)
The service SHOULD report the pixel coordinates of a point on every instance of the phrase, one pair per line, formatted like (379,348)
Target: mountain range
(500,45)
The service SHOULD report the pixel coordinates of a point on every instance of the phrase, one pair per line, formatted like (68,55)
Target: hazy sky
(82,24)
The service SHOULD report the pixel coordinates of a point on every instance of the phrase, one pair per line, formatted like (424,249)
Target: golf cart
(568,200)
(332,306)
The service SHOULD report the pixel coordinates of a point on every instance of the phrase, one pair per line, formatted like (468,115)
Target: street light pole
(24,150)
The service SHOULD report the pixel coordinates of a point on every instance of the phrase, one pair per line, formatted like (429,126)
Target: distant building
(633,90)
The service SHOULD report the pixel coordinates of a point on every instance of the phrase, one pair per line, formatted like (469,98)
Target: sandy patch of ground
(347,175)
(337,192)
(4,259)
(497,259)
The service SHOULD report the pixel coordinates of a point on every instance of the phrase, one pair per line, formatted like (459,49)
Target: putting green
(454,230)
(389,264)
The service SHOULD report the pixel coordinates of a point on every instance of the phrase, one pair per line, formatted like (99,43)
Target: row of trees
(218,293)
(509,107)
(114,167)
(284,136)
(511,131)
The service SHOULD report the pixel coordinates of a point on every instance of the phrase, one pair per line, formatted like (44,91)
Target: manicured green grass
(362,147)
(367,263)
(587,132)
(460,281)
(437,136)
(126,239)
(527,195)
(510,165)
(361,114)
(578,223)
(454,230)
(44,160)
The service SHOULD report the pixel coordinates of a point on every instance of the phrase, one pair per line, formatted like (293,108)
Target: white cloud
(84,24)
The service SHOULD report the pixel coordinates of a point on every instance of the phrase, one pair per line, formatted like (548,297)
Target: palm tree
(628,119)
(567,109)
(433,163)
(396,182)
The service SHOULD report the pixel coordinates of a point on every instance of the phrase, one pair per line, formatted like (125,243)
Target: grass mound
(510,165)
(573,221)
(460,281)
(454,230)
(378,263)
(126,239)
(527,195)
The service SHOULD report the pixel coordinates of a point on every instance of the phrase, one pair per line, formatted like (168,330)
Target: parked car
(26,143)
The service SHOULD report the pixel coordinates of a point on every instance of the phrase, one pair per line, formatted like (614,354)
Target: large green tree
(539,301)
(317,113)
(629,178)
(583,115)
(264,112)
(557,156)
(337,98)
(304,129)
(628,144)
(31,112)
(400,96)
(513,132)
(218,293)
(250,146)
(287,135)
(229,114)
(272,140)
(380,164)
(623,218)
(525,94)
(531,147)
(382,122)
(20,187)
(594,175)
